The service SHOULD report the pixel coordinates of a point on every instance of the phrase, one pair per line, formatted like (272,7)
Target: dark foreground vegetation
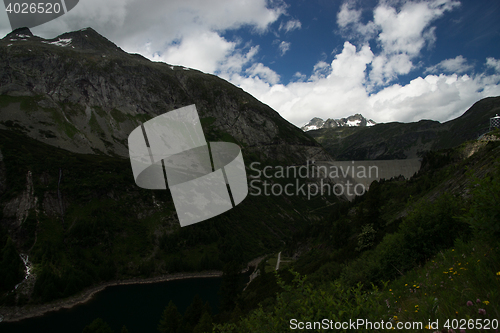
(420,251)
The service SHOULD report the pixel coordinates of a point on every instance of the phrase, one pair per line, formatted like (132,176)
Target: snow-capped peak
(356,120)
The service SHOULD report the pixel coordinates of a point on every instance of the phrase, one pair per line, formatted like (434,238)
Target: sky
(390,60)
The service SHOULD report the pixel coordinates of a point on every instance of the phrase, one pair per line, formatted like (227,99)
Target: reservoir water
(138,306)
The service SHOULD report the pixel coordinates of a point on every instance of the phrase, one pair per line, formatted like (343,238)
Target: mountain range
(81,92)
(356,120)
(397,140)
(68,200)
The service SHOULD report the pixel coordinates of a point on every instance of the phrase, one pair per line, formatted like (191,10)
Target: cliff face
(80,92)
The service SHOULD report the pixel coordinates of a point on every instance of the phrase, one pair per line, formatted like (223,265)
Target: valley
(73,221)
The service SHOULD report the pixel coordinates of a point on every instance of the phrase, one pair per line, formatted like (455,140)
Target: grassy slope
(439,251)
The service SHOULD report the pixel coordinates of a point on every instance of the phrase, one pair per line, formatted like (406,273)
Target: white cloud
(349,22)
(493,63)
(236,61)
(332,88)
(455,65)
(406,31)
(438,97)
(340,89)
(347,15)
(400,33)
(284,47)
(299,76)
(386,68)
(290,25)
(263,73)
(202,51)
(185,32)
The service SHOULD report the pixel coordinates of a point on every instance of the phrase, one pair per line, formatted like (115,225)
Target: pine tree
(237,314)
(171,319)
(205,324)
(98,326)
(229,288)
(194,311)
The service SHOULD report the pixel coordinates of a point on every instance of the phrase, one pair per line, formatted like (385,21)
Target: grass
(459,283)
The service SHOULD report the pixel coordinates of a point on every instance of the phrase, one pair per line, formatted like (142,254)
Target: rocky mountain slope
(356,120)
(81,92)
(68,200)
(407,140)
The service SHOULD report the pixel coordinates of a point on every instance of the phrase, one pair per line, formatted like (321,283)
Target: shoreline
(13,314)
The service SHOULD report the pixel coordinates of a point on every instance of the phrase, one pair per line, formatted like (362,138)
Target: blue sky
(390,60)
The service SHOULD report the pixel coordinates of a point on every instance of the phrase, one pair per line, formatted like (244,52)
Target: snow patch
(352,123)
(310,128)
(61,42)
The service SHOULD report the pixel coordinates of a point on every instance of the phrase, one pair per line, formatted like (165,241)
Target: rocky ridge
(81,92)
